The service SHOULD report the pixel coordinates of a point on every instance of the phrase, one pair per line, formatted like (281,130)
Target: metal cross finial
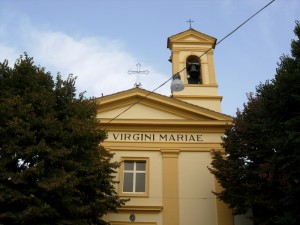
(138,72)
(190,21)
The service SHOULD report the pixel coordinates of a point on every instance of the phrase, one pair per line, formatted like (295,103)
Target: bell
(193,68)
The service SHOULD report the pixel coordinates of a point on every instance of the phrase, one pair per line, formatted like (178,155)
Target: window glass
(140,166)
(140,182)
(128,182)
(128,165)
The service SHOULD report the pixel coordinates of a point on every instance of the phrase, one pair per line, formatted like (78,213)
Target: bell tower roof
(190,37)
(192,56)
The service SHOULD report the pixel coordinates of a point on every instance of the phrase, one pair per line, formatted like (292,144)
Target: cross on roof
(190,21)
(138,72)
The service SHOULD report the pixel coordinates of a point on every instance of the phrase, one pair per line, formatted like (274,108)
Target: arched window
(193,68)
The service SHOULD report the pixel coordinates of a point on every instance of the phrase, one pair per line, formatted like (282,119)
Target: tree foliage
(53,169)
(259,169)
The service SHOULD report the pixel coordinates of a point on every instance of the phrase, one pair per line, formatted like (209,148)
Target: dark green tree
(259,168)
(53,169)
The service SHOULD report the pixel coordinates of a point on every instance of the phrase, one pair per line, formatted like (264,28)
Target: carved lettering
(115,136)
(127,136)
(136,137)
(163,137)
(171,138)
(148,137)
(160,137)
(199,137)
(191,138)
(179,137)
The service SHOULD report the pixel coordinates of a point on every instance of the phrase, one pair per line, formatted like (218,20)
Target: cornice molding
(138,208)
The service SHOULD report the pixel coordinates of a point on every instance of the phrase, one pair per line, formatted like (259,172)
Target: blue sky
(100,40)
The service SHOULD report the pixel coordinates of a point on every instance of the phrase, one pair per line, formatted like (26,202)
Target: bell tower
(192,54)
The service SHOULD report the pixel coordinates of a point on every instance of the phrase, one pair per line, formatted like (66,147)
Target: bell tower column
(211,68)
(175,58)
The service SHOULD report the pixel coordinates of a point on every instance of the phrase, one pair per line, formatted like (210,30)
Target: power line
(245,22)
(242,24)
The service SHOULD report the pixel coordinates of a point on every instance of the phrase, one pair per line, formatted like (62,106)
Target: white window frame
(134,171)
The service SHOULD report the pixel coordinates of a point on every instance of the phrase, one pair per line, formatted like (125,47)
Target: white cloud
(8,53)
(100,64)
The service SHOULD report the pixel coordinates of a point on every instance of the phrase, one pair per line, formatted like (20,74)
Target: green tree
(259,168)
(53,169)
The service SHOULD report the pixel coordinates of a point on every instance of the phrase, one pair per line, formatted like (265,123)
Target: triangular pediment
(191,36)
(141,105)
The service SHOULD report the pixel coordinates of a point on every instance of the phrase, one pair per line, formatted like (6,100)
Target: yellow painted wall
(213,105)
(145,112)
(197,202)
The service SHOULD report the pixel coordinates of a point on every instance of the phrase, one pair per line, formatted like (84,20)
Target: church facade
(164,142)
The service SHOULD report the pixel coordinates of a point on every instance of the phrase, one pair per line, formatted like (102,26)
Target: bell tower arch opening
(193,68)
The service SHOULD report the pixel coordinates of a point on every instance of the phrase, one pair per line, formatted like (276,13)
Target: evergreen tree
(53,169)
(259,169)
